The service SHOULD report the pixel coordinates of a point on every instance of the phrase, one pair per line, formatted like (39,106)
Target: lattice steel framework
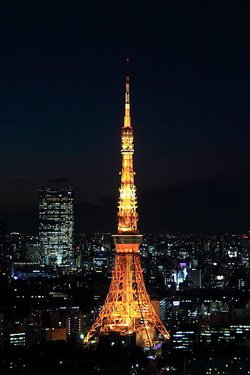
(127,309)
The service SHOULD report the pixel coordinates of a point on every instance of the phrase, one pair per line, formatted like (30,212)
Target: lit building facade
(184,339)
(217,332)
(56,226)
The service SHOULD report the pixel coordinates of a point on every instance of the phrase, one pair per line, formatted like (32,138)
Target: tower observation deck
(127,309)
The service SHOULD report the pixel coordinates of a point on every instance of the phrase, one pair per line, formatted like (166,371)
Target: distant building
(2,239)
(219,332)
(55,334)
(56,225)
(184,339)
(1,330)
(76,324)
(160,307)
(33,252)
(15,336)
(195,278)
(15,247)
(245,255)
(30,270)
(180,274)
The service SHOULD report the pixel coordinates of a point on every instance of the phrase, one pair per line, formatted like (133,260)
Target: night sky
(62,69)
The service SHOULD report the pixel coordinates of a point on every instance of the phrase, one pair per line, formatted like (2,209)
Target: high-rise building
(127,312)
(56,225)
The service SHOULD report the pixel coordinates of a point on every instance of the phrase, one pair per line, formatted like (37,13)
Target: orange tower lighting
(127,308)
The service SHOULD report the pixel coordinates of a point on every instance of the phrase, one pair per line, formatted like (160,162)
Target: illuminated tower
(127,309)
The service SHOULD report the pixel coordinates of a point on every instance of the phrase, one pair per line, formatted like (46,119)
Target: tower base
(114,338)
(127,309)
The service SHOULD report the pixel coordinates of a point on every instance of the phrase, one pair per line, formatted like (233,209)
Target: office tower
(33,252)
(56,224)
(127,311)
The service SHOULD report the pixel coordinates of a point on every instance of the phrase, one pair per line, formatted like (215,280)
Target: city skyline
(61,74)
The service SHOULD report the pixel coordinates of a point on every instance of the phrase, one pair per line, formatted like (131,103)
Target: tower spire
(127,116)
(127,205)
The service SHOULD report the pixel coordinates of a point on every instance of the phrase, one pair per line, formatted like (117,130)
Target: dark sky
(61,110)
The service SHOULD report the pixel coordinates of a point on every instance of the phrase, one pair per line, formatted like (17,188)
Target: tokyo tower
(127,309)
